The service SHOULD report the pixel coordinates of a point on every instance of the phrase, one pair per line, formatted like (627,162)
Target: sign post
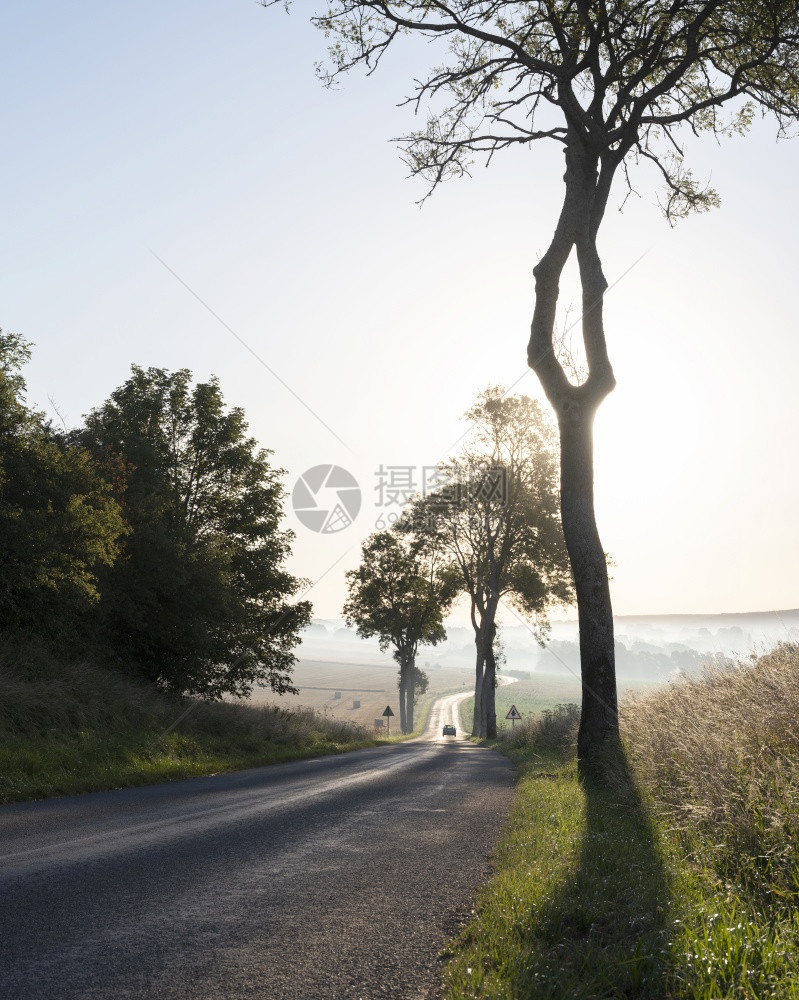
(513,715)
(388,713)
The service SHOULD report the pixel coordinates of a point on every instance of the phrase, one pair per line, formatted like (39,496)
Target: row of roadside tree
(489,531)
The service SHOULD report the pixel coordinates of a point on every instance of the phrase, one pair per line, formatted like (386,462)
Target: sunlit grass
(676,877)
(532,696)
(77,728)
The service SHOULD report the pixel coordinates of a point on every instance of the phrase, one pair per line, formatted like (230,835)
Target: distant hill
(648,647)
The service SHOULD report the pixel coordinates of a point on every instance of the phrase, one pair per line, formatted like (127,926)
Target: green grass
(676,877)
(580,904)
(67,728)
(531,697)
(540,693)
(65,764)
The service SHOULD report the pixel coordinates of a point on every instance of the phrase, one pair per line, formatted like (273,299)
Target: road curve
(334,878)
(446,711)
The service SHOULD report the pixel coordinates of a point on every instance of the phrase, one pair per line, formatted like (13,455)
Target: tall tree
(400,593)
(615,83)
(497,519)
(59,523)
(200,600)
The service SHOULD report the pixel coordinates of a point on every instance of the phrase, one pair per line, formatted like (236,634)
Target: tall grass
(721,757)
(675,877)
(69,727)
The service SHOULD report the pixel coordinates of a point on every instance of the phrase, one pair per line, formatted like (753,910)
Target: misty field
(373,685)
(539,692)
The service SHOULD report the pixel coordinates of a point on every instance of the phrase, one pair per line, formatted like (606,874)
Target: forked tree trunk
(575,406)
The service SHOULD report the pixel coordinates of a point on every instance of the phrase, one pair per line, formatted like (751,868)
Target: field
(373,685)
(541,691)
(532,696)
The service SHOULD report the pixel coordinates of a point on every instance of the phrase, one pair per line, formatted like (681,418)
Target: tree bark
(488,721)
(403,684)
(575,406)
(599,715)
(410,693)
(478,682)
(482,640)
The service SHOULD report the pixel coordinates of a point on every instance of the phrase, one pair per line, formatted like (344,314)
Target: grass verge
(676,877)
(76,728)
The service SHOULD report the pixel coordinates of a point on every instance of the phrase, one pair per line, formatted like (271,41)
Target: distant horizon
(461,622)
(649,648)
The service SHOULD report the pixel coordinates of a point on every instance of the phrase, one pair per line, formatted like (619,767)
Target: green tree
(200,601)
(615,83)
(420,683)
(59,523)
(497,520)
(400,593)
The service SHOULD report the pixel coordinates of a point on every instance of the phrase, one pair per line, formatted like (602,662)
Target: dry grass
(39,697)
(677,878)
(551,729)
(720,755)
(69,727)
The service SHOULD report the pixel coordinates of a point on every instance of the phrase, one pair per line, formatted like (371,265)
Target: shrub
(553,729)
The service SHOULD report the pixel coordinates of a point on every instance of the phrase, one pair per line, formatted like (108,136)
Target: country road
(334,878)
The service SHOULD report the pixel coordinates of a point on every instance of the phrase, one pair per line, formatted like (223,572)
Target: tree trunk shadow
(604,933)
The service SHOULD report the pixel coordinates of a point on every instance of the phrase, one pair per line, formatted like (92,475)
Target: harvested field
(374,685)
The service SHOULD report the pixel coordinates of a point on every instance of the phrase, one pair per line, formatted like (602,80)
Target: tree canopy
(59,522)
(200,600)
(621,76)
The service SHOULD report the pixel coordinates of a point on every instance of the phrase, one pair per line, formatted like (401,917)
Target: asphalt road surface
(335,878)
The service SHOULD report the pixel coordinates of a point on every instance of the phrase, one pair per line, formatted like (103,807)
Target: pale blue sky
(198,132)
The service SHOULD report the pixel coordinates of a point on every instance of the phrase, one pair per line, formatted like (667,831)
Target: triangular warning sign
(388,710)
(513,713)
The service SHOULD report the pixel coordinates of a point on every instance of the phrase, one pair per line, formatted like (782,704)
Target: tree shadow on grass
(604,933)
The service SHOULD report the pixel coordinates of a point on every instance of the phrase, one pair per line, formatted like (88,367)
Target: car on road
(449,730)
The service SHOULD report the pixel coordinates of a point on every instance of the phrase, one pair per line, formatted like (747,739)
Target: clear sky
(197,132)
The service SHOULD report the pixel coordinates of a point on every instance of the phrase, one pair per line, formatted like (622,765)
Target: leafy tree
(400,593)
(420,682)
(497,519)
(615,83)
(59,523)
(199,601)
